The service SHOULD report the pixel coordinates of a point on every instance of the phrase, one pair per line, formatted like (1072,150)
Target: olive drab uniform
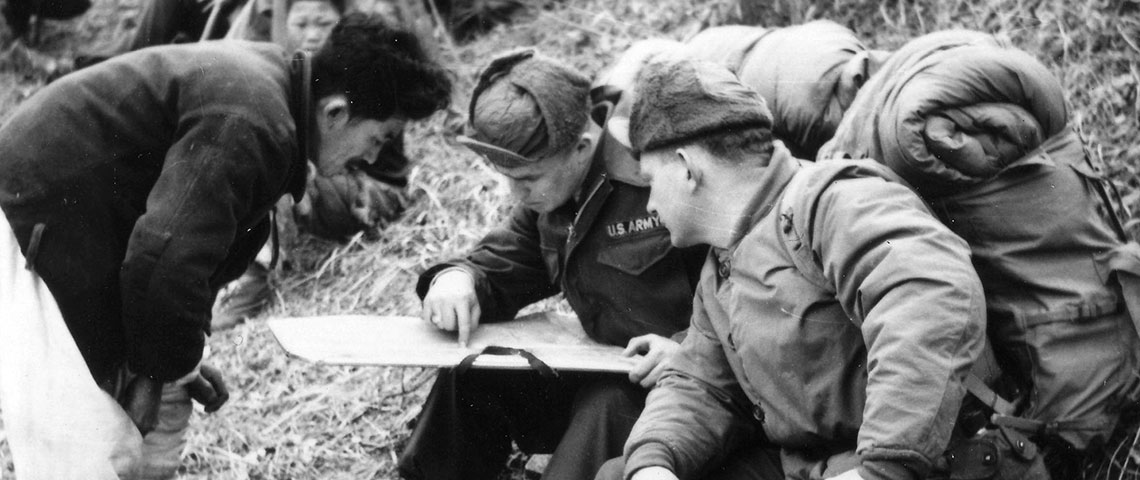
(614,263)
(854,361)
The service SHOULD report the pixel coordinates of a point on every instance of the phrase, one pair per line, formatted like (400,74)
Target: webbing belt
(538,365)
(1004,413)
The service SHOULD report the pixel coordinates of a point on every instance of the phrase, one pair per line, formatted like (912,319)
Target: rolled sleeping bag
(952,109)
(808,74)
(980,130)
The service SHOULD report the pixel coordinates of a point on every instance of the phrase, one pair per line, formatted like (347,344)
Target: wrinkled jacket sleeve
(507,266)
(908,283)
(212,176)
(697,412)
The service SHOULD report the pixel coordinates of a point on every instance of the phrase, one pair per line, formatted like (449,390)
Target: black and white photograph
(570,239)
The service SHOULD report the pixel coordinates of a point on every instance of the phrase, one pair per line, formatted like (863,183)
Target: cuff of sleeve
(648,455)
(450,269)
(886,470)
(428,278)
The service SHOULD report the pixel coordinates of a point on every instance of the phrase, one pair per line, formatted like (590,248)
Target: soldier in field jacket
(579,227)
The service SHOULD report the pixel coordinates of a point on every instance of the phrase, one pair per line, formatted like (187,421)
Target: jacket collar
(301,106)
(780,170)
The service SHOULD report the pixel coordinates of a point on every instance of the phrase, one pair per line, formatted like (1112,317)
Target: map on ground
(556,339)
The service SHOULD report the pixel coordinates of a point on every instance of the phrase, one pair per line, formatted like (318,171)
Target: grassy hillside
(291,419)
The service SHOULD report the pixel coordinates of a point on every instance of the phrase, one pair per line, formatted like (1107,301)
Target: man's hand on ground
(377,203)
(655,350)
(653,473)
(451,304)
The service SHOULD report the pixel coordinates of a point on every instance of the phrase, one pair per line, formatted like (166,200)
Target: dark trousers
(18,12)
(164,21)
(469,421)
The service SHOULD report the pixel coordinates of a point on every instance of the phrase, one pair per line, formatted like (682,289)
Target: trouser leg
(161,22)
(455,438)
(602,416)
(158,23)
(17,14)
(468,422)
(754,462)
(59,424)
(162,448)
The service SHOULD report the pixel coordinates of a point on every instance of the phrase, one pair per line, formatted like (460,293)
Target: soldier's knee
(613,469)
(615,396)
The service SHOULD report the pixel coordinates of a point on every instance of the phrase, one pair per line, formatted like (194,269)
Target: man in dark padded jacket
(137,187)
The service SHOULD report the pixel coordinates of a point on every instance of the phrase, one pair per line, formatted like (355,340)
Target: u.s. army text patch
(636,225)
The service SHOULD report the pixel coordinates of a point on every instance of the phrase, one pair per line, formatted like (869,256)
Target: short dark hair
(383,71)
(747,145)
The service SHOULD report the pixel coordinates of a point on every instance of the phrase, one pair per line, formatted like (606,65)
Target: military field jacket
(844,319)
(139,186)
(610,257)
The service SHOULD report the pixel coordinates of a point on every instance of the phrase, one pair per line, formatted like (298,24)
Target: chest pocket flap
(635,255)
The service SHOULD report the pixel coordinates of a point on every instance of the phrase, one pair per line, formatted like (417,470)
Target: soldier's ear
(694,174)
(333,111)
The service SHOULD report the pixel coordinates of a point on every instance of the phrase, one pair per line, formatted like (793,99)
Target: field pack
(980,131)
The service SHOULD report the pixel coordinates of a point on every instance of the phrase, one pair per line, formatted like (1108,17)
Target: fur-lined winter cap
(680,99)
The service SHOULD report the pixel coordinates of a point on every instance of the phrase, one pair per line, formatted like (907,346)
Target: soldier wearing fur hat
(835,319)
(580,227)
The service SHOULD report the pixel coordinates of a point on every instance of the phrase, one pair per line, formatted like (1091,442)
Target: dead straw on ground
(288,419)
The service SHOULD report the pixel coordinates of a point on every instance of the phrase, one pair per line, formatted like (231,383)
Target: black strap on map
(537,365)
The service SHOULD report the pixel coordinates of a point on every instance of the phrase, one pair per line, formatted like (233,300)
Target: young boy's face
(309,24)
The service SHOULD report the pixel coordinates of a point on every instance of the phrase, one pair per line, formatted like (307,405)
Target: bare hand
(377,203)
(654,473)
(655,350)
(451,304)
(852,474)
(209,389)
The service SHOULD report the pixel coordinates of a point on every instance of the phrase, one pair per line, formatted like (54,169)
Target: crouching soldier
(137,187)
(580,227)
(835,319)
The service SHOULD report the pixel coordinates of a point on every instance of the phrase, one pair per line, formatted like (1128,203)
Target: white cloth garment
(60,425)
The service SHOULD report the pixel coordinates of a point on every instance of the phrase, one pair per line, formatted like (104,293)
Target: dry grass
(291,419)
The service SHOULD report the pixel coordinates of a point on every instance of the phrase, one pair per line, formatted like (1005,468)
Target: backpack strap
(1004,413)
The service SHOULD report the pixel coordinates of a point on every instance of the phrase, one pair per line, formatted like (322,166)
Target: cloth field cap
(681,99)
(526,107)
